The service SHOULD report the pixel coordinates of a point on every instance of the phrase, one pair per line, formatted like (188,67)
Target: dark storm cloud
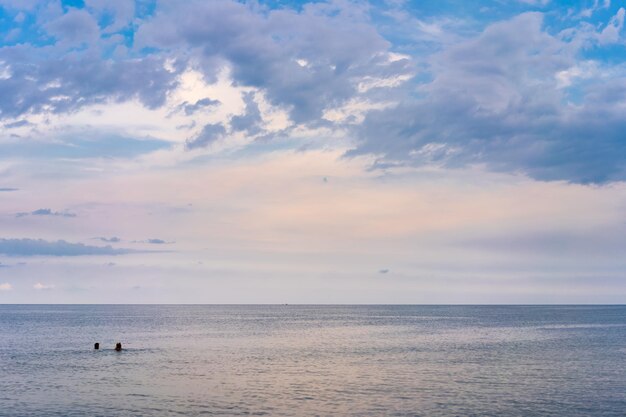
(37,247)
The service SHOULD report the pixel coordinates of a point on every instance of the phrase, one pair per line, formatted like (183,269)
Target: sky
(382,151)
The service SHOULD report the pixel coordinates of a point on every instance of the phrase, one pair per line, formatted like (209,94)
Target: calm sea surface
(313,360)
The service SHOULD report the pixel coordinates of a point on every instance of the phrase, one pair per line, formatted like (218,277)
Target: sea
(312,360)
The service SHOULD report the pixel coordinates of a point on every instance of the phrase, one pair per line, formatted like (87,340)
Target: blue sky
(273,151)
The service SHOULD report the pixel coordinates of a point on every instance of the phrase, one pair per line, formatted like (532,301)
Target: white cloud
(5,71)
(611,33)
(582,70)
(40,286)
(596,6)
(353,111)
(6,287)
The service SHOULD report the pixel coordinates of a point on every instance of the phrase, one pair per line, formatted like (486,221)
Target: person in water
(118,346)
(96,346)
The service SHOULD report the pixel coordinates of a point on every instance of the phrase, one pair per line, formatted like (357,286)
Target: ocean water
(312,360)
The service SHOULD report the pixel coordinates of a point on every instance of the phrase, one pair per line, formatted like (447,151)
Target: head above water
(118,346)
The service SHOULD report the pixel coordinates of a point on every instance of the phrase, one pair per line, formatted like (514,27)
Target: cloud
(40,286)
(267,50)
(587,13)
(74,27)
(264,50)
(46,212)
(19,123)
(611,33)
(509,96)
(190,109)
(40,247)
(6,287)
(116,13)
(251,119)
(58,82)
(7,189)
(20,4)
(156,241)
(210,133)
(495,101)
(113,239)
(383,271)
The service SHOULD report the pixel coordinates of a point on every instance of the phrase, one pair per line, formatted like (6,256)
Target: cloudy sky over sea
(312,152)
